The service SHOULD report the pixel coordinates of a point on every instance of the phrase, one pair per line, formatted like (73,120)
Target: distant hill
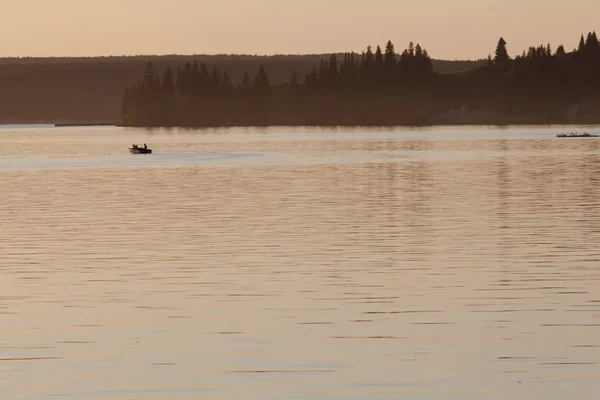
(71,90)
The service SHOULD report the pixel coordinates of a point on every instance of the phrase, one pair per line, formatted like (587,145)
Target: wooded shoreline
(378,88)
(72,90)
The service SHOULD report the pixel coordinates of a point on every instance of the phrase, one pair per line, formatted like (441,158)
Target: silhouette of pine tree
(245,85)
(226,84)
(501,52)
(294,78)
(390,55)
(378,57)
(215,80)
(204,81)
(418,51)
(426,63)
(333,72)
(261,81)
(168,85)
(581,47)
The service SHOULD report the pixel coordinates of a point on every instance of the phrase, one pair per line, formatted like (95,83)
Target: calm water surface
(443,263)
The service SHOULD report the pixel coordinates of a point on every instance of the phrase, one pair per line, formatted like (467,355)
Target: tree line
(378,87)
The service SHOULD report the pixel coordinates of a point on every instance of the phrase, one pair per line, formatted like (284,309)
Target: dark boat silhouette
(575,135)
(135,149)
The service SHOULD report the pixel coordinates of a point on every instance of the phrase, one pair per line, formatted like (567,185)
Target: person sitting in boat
(134,146)
(145,147)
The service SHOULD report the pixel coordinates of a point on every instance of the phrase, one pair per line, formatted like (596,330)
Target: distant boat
(575,134)
(135,149)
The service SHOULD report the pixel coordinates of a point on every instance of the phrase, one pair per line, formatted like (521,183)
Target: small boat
(576,135)
(135,149)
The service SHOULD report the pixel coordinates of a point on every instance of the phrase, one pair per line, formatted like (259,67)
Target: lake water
(299,263)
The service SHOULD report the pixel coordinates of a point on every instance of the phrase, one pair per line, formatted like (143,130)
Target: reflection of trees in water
(503,212)
(417,191)
(420,180)
(589,204)
(393,214)
(549,200)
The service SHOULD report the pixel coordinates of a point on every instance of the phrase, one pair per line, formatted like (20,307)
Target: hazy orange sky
(458,29)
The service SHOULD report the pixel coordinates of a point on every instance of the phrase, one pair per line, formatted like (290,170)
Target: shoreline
(308,125)
(82,124)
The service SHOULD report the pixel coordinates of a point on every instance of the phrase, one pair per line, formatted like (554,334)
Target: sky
(448,29)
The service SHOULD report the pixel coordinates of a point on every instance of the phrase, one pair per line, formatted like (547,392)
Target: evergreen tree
(245,81)
(581,47)
(294,78)
(226,84)
(204,77)
(404,63)
(215,79)
(168,85)
(333,70)
(183,80)
(342,77)
(390,55)
(560,50)
(378,57)
(501,52)
(589,42)
(194,80)
(312,79)
(368,67)
(149,74)
(187,69)
(261,81)
(151,84)
(323,72)
(418,51)
(128,106)
(426,63)
(369,58)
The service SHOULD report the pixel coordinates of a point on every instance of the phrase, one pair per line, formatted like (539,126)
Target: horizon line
(213,55)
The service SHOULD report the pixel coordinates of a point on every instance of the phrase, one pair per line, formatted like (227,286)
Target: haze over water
(280,263)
